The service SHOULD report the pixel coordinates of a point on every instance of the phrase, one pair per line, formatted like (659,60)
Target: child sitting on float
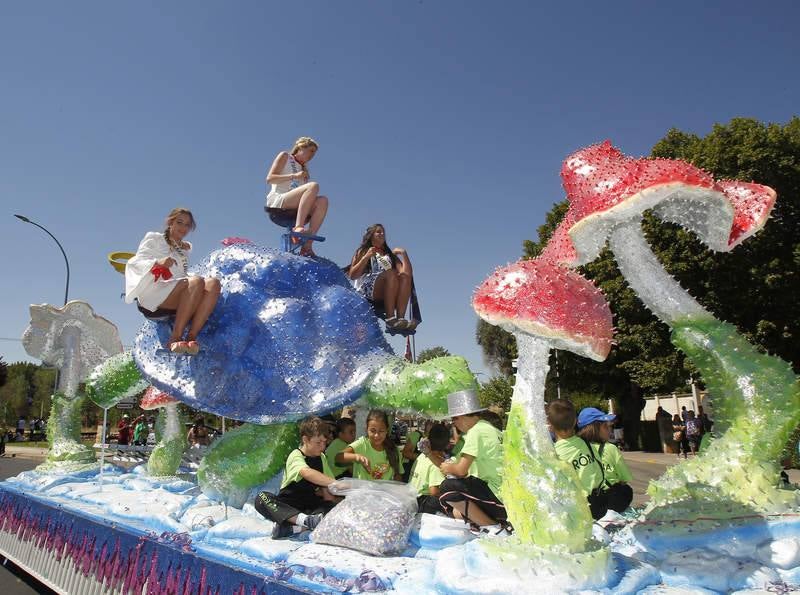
(595,427)
(303,498)
(345,435)
(292,189)
(381,274)
(157,279)
(471,492)
(426,476)
(376,453)
(580,454)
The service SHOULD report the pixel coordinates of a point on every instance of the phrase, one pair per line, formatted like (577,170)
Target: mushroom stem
(71,370)
(646,275)
(543,498)
(166,456)
(532,367)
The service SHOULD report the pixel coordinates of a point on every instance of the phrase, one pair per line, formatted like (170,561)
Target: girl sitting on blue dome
(292,188)
(381,274)
(157,279)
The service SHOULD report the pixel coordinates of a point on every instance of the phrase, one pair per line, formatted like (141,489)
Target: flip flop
(178,347)
(192,347)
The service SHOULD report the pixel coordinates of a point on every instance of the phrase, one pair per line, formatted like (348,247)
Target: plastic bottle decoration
(74,339)
(545,306)
(756,396)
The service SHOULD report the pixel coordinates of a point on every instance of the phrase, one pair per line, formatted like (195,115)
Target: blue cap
(590,415)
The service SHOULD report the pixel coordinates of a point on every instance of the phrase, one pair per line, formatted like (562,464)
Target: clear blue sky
(446,121)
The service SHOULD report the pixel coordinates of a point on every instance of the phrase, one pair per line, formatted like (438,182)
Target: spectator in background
(694,431)
(124,430)
(198,434)
(704,419)
(679,436)
(683,414)
(21,428)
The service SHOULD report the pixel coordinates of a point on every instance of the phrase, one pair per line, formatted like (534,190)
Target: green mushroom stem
(168,452)
(542,495)
(755,396)
(64,424)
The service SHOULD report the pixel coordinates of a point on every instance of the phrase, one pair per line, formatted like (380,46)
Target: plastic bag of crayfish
(375,517)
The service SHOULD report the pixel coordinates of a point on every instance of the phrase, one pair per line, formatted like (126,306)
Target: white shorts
(275,200)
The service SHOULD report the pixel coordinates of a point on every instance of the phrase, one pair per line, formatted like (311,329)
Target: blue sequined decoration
(289,337)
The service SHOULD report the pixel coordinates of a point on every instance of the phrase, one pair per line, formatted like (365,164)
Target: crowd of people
(455,468)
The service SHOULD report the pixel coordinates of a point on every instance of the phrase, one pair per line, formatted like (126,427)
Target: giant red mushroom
(166,456)
(608,194)
(545,306)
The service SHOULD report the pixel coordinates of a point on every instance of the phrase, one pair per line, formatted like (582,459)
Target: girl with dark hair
(157,279)
(381,274)
(376,453)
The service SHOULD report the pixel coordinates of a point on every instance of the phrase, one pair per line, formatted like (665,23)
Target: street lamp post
(66,261)
(60,247)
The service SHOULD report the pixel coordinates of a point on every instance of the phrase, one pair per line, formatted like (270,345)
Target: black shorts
(279,510)
(474,491)
(429,504)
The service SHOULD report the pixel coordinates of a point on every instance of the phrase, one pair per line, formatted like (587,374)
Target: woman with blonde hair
(157,279)
(292,188)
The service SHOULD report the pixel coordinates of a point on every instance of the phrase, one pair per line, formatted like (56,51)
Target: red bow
(161,272)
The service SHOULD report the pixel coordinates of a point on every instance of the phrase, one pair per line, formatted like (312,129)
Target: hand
(364,461)
(371,251)
(399,251)
(167,262)
(301,176)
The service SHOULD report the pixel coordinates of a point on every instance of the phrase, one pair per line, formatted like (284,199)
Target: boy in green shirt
(471,494)
(303,498)
(345,434)
(425,474)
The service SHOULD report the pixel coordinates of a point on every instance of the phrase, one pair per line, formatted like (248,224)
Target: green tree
(3,371)
(754,287)
(499,346)
(432,352)
(496,391)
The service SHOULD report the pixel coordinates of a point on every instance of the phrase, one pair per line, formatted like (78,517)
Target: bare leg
(301,198)
(211,291)
(386,290)
(318,212)
(403,294)
(476,515)
(184,299)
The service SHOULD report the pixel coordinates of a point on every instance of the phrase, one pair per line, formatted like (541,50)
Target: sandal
(401,324)
(391,322)
(412,324)
(192,347)
(294,238)
(307,251)
(178,347)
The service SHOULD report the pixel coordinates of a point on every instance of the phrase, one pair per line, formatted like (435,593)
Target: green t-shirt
(296,462)
(574,451)
(615,467)
(424,474)
(413,438)
(334,448)
(484,442)
(378,462)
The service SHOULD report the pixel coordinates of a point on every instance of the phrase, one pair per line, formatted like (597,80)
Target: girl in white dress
(382,274)
(157,279)
(292,189)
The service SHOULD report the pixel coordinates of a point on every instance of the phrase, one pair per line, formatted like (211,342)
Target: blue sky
(446,121)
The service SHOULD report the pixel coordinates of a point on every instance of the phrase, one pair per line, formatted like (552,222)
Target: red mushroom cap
(752,204)
(154,398)
(606,188)
(559,248)
(548,301)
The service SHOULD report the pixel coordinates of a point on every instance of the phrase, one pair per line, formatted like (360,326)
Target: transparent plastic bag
(375,517)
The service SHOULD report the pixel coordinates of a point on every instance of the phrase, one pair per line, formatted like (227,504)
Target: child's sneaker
(312,520)
(281,530)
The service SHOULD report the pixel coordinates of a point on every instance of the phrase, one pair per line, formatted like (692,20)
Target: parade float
(289,338)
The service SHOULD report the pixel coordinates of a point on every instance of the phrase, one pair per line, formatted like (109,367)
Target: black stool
(286,219)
